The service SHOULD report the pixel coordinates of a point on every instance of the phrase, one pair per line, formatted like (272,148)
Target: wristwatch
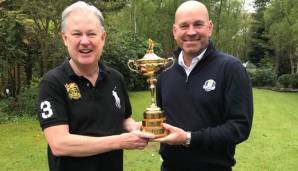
(188,139)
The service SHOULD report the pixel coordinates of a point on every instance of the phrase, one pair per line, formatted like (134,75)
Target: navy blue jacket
(215,103)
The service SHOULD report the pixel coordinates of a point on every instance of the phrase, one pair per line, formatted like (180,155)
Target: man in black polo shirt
(206,97)
(83,106)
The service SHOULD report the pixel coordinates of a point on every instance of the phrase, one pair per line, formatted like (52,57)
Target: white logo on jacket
(209,85)
(117,99)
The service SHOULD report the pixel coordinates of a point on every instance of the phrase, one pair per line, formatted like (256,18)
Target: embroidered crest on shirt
(209,85)
(117,99)
(73,91)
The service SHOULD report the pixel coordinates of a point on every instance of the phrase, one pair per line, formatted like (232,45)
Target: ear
(64,37)
(103,37)
(210,28)
(174,30)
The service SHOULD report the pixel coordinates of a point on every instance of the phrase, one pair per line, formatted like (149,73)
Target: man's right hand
(135,140)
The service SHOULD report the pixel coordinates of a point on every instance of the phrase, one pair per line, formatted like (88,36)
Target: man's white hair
(81,6)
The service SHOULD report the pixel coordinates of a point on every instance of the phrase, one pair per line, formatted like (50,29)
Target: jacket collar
(208,56)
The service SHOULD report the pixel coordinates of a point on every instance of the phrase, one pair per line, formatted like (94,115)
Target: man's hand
(131,125)
(145,135)
(135,140)
(176,135)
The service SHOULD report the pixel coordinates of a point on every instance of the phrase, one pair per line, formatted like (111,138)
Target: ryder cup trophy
(149,65)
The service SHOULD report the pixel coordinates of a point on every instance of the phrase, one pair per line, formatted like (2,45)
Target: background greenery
(272,145)
(31,44)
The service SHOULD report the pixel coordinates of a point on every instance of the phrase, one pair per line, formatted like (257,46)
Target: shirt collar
(103,70)
(194,61)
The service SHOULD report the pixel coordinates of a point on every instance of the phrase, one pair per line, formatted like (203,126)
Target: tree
(13,50)
(152,19)
(258,44)
(46,18)
(283,34)
(231,22)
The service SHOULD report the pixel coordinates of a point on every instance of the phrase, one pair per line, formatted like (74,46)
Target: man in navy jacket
(206,97)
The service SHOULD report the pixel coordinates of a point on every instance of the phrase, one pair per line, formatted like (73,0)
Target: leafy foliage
(6,106)
(26,104)
(294,80)
(282,34)
(284,80)
(23,105)
(258,44)
(288,81)
(262,77)
(13,48)
(123,46)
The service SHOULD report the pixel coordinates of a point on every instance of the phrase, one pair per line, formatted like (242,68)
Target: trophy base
(157,131)
(152,122)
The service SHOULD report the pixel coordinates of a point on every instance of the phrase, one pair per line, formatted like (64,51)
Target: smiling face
(192,28)
(84,38)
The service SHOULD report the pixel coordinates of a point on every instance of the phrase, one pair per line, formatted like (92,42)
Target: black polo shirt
(99,110)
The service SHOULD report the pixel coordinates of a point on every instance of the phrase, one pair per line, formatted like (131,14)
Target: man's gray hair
(80,5)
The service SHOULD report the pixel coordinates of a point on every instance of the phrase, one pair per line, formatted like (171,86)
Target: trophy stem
(152,82)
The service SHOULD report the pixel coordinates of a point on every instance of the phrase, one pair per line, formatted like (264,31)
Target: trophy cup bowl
(149,65)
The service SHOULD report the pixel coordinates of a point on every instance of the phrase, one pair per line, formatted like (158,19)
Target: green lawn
(273,143)
(272,146)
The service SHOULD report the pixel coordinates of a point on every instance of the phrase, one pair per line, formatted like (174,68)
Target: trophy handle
(131,65)
(169,63)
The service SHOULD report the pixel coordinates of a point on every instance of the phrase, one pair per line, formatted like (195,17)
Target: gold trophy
(149,65)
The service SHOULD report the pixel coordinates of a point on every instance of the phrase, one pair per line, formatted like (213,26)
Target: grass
(22,146)
(272,145)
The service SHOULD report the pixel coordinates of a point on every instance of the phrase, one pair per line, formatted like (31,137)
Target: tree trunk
(2,84)
(292,63)
(41,71)
(135,16)
(292,58)
(277,61)
(217,27)
(297,67)
(28,70)
(18,79)
(11,83)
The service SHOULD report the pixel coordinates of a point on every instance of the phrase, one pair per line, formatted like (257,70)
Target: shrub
(22,105)
(294,80)
(284,80)
(3,110)
(7,106)
(26,103)
(261,77)
(252,74)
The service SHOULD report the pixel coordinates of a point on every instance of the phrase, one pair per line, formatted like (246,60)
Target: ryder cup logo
(209,85)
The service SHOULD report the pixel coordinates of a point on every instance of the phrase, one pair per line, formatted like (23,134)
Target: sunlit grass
(22,146)
(273,144)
